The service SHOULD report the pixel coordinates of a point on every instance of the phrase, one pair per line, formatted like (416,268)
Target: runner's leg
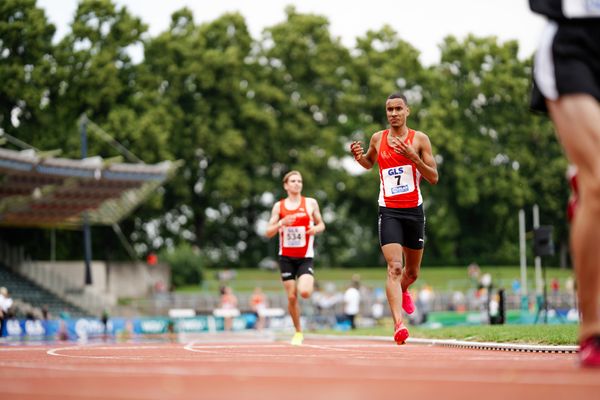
(412,267)
(577,119)
(306,284)
(393,256)
(293,307)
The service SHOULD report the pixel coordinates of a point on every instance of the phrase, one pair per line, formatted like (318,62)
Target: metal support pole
(53,245)
(87,234)
(545,296)
(523,260)
(541,295)
(538,259)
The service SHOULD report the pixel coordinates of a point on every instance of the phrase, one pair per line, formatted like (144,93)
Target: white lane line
(59,351)
(236,351)
(235,346)
(15,349)
(195,347)
(222,353)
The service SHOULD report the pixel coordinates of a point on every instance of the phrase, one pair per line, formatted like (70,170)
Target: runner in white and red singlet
(297,219)
(566,84)
(404,156)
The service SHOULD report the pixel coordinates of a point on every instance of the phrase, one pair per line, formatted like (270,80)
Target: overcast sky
(422,23)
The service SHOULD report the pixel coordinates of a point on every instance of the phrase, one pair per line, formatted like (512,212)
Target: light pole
(87,234)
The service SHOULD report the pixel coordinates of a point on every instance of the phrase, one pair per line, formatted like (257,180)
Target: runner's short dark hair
(398,95)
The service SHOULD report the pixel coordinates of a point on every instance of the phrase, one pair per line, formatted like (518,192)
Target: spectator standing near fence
(352,302)
(567,84)
(297,219)
(5,304)
(258,305)
(228,308)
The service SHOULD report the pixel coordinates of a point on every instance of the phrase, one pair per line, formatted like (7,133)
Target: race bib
(398,180)
(294,236)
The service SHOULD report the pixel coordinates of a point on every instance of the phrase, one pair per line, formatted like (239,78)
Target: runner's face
(294,184)
(396,111)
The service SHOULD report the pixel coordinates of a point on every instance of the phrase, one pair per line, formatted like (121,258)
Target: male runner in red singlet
(404,156)
(297,219)
(567,84)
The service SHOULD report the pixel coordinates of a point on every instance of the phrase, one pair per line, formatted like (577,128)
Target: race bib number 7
(398,180)
(294,236)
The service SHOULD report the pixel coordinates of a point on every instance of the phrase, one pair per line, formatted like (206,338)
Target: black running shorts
(292,267)
(567,61)
(405,226)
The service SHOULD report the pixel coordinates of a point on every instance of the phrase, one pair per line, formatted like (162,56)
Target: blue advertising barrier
(84,328)
(30,328)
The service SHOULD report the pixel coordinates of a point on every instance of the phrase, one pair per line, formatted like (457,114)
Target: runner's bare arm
(319,225)
(274,223)
(367,160)
(426,162)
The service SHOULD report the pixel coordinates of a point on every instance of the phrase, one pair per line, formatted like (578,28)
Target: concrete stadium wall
(137,279)
(116,279)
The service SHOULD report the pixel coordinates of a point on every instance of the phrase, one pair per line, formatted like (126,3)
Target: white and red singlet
(293,240)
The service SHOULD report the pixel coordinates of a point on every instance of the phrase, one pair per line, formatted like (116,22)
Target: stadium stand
(36,191)
(39,190)
(32,299)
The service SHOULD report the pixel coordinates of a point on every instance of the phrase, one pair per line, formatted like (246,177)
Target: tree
(240,112)
(26,56)
(491,159)
(198,74)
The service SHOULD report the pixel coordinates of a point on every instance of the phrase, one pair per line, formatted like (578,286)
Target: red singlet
(399,177)
(293,240)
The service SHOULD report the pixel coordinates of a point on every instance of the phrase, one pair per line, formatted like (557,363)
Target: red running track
(235,367)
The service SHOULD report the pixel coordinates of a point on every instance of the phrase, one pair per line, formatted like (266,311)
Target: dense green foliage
(241,111)
(186,265)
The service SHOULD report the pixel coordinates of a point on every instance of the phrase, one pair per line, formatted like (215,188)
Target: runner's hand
(405,149)
(287,220)
(357,150)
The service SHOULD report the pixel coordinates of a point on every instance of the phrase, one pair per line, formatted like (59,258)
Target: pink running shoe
(589,352)
(400,333)
(407,303)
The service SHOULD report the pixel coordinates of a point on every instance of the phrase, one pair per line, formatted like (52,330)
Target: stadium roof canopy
(41,191)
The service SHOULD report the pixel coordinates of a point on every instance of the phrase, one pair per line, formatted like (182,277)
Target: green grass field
(557,335)
(441,279)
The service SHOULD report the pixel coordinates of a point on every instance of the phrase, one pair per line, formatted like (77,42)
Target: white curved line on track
(359,351)
(58,351)
(213,367)
(227,352)
(15,349)
(218,349)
